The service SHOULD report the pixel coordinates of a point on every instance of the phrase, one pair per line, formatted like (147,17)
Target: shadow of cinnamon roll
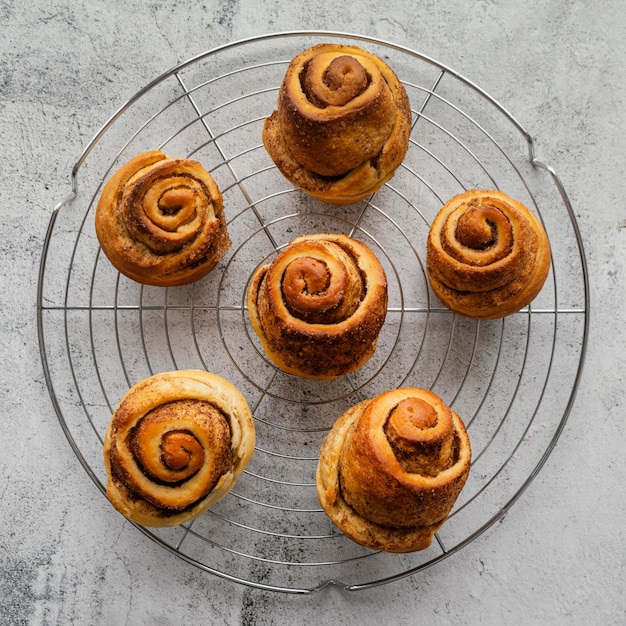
(319,306)
(391,469)
(175,445)
(487,255)
(342,124)
(160,221)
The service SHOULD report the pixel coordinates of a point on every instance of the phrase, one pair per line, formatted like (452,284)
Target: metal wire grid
(513,381)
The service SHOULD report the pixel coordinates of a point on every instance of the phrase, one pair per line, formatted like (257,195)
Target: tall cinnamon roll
(175,445)
(487,255)
(391,469)
(160,221)
(342,123)
(319,306)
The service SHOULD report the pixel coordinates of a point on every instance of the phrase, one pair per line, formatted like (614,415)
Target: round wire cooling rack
(512,380)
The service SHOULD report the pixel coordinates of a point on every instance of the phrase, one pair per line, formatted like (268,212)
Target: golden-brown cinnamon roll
(160,221)
(391,469)
(342,124)
(487,255)
(319,306)
(175,445)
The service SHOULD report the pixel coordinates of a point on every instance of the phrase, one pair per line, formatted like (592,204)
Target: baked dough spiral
(175,445)
(342,123)
(487,255)
(319,306)
(391,469)
(160,221)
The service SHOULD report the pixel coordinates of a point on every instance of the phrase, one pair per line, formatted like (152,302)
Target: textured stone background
(65,557)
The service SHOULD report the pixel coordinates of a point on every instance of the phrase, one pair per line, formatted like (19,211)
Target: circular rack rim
(533,160)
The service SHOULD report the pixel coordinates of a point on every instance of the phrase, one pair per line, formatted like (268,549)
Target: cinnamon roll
(342,123)
(319,306)
(487,255)
(175,445)
(160,221)
(391,469)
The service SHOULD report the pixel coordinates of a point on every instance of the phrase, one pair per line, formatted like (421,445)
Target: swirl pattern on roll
(175,445)
(342,123)
(487,255)
(319,306)
(160,221)
(391,469)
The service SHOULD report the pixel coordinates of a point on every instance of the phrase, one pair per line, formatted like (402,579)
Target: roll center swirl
(479,226)
(410,433)
(410,417)
(343,79)
(311,291)
(166,208)
(171,443)
(173,200)
(306,275)
(180,451)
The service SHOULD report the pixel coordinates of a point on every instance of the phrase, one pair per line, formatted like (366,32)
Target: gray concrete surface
(557,557)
